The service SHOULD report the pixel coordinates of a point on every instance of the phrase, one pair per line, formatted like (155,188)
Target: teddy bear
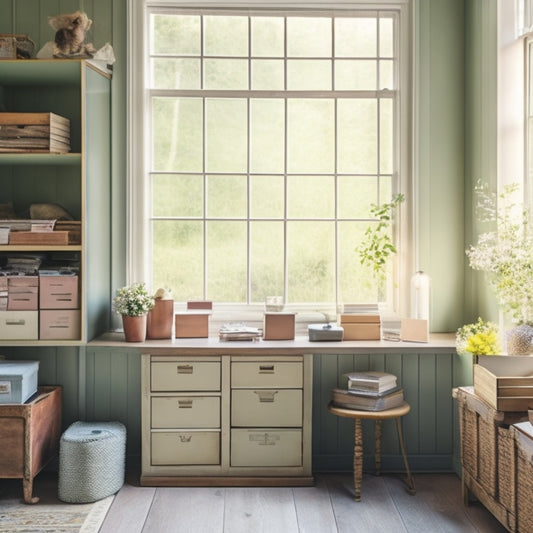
(70,35)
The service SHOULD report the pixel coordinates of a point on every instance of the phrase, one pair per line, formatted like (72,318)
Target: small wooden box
(279,326)
(34,132)
(191,325)
(361,327)
(505,382)
(40,238)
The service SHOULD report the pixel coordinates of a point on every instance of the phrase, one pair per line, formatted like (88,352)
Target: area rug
(49,515)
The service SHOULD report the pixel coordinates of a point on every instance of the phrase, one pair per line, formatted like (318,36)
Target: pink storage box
(23,298)
(59,324)
(22,281)
(58,292)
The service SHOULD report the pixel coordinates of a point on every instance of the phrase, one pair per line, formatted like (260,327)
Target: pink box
(59,324)
(22,281)
(22,298)
(58,292)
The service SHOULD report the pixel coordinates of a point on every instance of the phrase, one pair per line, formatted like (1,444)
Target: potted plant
(133,304)
(505,254)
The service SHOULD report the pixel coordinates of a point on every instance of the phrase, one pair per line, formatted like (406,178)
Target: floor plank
(187,510)
(375,513)
(129,510)
(313,508)
(264,509)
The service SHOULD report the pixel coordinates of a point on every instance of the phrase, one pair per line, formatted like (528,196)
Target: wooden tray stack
(34,132)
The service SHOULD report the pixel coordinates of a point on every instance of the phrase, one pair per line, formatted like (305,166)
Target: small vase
(519,339)
(160,319)
(134,328)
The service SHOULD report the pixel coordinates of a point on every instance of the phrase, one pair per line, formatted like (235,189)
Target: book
(371,381)
(349,399)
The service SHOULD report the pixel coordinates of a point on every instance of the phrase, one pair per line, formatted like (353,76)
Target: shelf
(39,248)
(29,159)
(36,72)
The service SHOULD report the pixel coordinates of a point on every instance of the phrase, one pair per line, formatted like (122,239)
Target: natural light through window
(270,136)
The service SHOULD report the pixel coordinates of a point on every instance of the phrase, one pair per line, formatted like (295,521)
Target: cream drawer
(273,374)
(266,407)
(268,447)
(185,376)
(186,448)
(185,412)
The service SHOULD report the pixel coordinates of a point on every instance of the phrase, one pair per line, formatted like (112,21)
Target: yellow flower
(483,343)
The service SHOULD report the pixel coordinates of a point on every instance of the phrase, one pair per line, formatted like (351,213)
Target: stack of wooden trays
(34,132)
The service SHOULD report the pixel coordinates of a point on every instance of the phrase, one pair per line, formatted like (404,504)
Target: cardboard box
(505,382)
(19,325)
(279,326)
(59,324)
(22,298)
(58,292)
(18,380)
(191,325)
(361,327)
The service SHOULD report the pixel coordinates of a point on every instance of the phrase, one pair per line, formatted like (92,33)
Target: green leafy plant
(133,300)
(479,338)
(377,245)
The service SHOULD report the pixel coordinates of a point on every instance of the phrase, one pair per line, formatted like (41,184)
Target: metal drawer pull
(20,322)
(185,404)
(184,369)
(266,369)
(266,395)
(185,438)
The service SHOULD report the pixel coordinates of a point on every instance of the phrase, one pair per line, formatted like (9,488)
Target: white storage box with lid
(18,380)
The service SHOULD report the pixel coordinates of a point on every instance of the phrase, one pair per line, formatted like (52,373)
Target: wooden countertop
(438,343)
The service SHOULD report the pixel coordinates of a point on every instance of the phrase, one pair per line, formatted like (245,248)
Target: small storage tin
(325,332)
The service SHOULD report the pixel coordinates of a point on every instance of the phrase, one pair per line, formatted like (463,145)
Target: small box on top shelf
(279,326)
(358,327)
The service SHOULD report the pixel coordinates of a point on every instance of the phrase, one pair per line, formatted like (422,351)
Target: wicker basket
(524,476)
(484,434)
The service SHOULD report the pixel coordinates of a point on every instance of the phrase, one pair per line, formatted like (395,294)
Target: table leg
(358,459)
(27,489)
(377,447)
(410,482)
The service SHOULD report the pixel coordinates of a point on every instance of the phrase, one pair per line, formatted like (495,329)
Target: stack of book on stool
(369,391)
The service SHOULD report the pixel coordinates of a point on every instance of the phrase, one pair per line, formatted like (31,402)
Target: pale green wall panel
(439,127)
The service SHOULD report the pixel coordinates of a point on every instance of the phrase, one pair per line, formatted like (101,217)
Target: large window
(268,136)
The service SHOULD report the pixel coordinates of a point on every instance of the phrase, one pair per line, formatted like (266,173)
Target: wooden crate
(487,454)
(34,132)
(73,227)
(505,382)
(40,238)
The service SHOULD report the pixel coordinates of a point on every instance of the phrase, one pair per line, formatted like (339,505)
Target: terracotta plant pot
(160,319)
(134,328)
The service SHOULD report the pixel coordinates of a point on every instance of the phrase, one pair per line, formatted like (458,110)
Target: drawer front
(273,374)
(186,412)
(266,407)
(19,325)
(185,376)
(269,447)
(186,448)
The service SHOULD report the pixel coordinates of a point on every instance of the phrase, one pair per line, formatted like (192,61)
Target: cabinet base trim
(227,481)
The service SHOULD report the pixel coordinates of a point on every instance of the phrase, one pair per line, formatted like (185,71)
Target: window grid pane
(280,182)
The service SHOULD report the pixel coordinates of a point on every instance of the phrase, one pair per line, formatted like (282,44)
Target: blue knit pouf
(92,458)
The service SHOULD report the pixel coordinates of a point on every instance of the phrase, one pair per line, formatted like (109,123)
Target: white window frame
(138,198)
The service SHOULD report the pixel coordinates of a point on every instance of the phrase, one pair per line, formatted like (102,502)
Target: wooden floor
(326,507)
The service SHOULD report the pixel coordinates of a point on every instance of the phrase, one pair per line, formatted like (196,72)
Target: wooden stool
(378,416)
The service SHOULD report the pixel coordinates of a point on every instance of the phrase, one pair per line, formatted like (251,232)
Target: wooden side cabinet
(30,434)
(226,420)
